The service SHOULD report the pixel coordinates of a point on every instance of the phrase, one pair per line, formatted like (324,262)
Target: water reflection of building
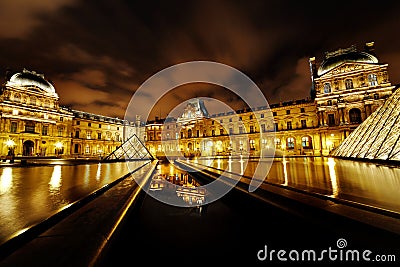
(34,124)
(347,86)
(170,178)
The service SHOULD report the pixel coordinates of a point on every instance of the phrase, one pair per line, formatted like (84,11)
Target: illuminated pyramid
(131,149)
(378,137)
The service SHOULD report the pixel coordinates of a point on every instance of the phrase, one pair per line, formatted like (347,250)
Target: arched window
(349,83)
(17,98)
(327,88)
(373,81)
(290,143)
(306,142)
(355,115)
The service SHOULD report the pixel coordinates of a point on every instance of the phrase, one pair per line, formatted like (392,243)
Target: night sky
(97,53)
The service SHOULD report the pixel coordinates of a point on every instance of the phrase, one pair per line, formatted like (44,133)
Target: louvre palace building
(34,124)
(347,86)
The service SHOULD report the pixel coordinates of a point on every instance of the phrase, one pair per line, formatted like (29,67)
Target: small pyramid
(131,149)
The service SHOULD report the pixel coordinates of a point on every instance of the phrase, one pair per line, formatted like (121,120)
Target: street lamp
(10,144)
(59,147)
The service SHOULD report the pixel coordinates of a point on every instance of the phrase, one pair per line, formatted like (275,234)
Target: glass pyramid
(378,137)
(131,149)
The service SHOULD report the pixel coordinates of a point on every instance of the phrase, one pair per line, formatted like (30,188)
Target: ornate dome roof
(340,56)
(30,78)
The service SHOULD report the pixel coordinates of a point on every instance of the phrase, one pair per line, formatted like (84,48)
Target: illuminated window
(252,144)
(349,83)
(15,112)
(306,142)
(277,141)
(45,130)
(60,131)
(87,149)
(290,143)
(373,81)
(89,135)
(30,127)
(327,88)
(13,128)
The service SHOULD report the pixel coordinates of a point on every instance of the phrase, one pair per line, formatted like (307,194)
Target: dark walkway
(231,231)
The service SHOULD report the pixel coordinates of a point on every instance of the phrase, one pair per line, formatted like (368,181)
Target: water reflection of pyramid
(378,137)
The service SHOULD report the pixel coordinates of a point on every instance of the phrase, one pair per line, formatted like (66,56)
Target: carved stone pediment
(348,67)
(195,109)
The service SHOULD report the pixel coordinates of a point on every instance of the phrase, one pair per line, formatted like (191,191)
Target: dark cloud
(99,52)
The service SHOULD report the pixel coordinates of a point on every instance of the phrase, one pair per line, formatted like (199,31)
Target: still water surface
(28,195)
(362,182)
